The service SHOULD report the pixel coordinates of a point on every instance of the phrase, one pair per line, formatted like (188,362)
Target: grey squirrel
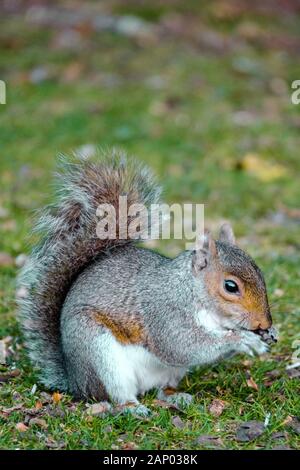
(107,319)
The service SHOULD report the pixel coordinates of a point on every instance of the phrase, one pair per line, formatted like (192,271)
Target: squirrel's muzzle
(269,336)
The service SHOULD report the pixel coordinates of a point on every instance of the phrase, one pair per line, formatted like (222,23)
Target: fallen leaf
(217,407)
(31,413)
(21,427)
(52,444)
(262,169)
(129,446)
(38,422)
(279,435)
(72,72)
(249,431)
(177,422)
(294,424)
(287,420)
(247,363)
(272,376)
(293,373)
(10,410)
(250,382)
(54,411)
(5,377)
(99,409)
(8,225)
(165,404)
(56,397)
(207,440)
(6,260)
(45,398)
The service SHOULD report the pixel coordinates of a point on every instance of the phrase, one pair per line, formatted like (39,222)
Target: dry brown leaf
(38,422)
(55,411)
(293,373)
(56,397)
(129,446)
(293,423)
(8,225)
(177,422)
(217,407)
(250,382)
(12,408)
(287,420)
(99,409)
(262,169)
(272,376)
(6,376)
(279,435)
(45,398)
(249,431)
(52,444)
(21,427)
(72,72)
(206,440)
(6,260)
(166,405)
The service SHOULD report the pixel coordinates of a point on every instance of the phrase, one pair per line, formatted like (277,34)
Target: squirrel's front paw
(252,344)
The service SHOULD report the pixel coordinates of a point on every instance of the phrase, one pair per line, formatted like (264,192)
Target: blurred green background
(201,91)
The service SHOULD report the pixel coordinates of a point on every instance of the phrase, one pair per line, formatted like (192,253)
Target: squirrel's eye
(231,286)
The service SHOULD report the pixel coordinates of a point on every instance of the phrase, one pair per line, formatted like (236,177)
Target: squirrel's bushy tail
(69,242)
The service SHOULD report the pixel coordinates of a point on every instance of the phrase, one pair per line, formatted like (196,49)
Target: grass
(194,109)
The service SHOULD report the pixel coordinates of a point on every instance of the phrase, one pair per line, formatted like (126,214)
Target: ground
(202,93)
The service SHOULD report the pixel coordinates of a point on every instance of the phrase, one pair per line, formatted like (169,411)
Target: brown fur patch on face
(126,329)
(259,315)
(251,305)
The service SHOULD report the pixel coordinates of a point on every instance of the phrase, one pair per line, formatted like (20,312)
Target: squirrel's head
(235,285)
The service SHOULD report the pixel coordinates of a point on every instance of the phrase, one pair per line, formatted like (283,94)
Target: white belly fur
(130,370)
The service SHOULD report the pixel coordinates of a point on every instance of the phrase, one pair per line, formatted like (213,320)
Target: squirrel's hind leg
(94,361)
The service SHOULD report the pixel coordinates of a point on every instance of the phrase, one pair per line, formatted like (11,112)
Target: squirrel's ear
(205,250)
(226,234)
